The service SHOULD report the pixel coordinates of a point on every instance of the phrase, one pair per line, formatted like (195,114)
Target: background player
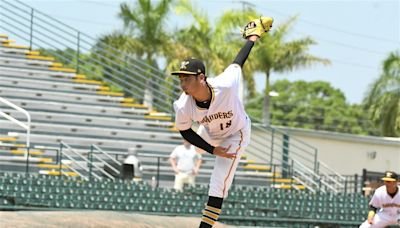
(185,162)
(385,204)
(224,125)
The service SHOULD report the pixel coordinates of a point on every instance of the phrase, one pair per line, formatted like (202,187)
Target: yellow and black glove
(257,27)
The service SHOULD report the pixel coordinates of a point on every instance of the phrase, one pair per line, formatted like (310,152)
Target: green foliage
(313,105)
(274,53)
(144,24)
(216,45)
(69,59)
(383,99)
(143,38)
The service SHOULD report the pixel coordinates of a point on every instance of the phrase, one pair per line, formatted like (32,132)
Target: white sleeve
(231,76)
(174,153)
(375,201)
(182,120)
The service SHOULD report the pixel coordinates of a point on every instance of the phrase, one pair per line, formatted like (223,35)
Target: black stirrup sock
(211,212)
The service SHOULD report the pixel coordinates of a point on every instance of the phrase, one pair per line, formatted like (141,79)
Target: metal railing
(137,79)
(297,159)
(26,126)
(88,55)
(93,154)
(74,162)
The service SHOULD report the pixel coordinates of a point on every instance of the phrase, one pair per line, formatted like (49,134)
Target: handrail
(340,184)
(298,152)
(107,155)
(27,126)
(304,183)
(72,168)
(104,162)
(311,159)
(304,174)
(282,132)
(133,75)
(81,156)
(333,171)
(133,71)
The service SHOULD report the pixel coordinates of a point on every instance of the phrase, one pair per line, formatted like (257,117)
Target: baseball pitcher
(215,104)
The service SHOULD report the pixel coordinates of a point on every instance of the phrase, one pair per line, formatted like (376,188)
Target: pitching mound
(96,219)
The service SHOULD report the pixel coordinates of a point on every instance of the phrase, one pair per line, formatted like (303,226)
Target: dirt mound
(94,219)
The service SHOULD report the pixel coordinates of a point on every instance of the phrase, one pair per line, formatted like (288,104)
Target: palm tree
(198,38)
(146,23)
(383,98)
(274,54)
(216,46)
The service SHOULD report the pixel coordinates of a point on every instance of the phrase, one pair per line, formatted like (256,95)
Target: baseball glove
(257,27)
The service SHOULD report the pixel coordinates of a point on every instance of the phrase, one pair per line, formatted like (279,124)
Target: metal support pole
(78,51)
(158,171)
(316,162)
(31,31)
(356,182)
(91,161)
(285,156)
(272,147)
(27,160)
(273,176)
(291,168)
(60,161)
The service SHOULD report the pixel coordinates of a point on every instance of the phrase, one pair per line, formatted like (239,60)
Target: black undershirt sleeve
(244,53)
(195,139)
(192,136)
(372,208)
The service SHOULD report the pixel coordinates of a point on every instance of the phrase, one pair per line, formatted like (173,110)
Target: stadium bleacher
(72,112)
(65,106)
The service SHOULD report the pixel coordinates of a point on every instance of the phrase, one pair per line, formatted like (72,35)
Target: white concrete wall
(348,154)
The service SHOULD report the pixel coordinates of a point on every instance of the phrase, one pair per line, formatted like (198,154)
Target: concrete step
(94,121)
(34,61)
(89,132)
(62,107)
(87,99)
(8,70)
(35,83)
(23,159)
(117,144)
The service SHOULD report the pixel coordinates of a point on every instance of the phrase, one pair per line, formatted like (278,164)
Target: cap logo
(389,174)
(184,64)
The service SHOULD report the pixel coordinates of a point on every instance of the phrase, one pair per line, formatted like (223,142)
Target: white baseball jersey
(389,209)
(226,114)
(224,123)
(186,158)
(381,199)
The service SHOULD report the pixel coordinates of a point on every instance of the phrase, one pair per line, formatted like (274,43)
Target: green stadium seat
(52,197)
(98,206)
(4,202)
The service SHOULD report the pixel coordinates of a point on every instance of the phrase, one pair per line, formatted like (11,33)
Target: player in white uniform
(215,104)
(185,162)
(385,204)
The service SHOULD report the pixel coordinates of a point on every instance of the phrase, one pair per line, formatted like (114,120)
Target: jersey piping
(233,162)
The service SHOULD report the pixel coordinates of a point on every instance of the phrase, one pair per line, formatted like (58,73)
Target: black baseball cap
(191,66)
(390,176)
